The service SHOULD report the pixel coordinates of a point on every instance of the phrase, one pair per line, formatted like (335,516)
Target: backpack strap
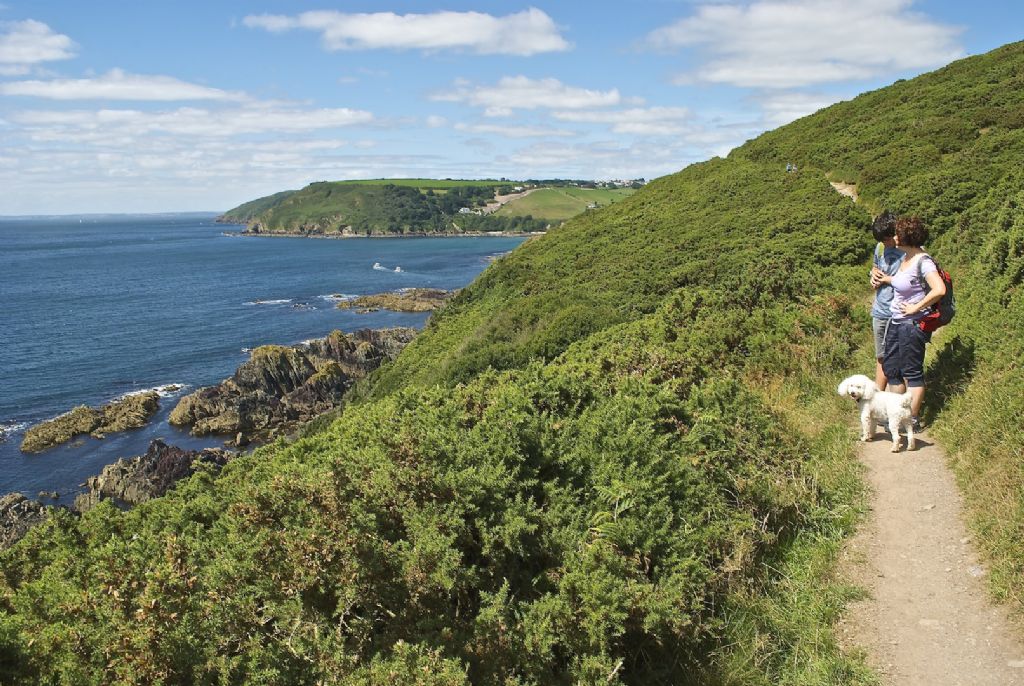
(920,271)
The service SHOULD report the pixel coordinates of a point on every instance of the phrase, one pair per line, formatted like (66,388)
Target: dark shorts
(904,353)
(878,328)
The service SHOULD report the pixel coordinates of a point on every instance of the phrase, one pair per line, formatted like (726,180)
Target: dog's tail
(905,399)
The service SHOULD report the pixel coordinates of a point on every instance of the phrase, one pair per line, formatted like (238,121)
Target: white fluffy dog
(879,407)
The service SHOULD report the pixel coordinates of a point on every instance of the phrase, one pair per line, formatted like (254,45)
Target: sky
(160,106)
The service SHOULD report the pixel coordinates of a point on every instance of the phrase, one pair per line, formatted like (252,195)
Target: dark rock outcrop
(18,514)
(134,480)
(404,300)
(129,412)
(281,387)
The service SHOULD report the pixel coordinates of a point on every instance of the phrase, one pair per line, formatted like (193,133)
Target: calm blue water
(91,308)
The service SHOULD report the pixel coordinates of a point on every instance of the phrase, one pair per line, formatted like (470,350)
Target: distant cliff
(413,207)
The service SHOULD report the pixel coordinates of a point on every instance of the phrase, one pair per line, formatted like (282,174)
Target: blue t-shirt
(889,262)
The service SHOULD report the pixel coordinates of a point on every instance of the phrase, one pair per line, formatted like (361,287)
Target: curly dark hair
(911,231)
(884,226)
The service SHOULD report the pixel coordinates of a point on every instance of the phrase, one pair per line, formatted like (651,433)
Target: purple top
(907,288)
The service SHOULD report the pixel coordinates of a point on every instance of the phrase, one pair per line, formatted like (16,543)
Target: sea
(94,307)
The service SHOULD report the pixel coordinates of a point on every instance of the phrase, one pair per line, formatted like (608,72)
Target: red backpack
(943,311)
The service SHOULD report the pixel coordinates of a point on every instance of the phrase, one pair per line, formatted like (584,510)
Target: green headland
(390,207)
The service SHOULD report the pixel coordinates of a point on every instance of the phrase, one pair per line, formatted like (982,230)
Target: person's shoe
(917,424)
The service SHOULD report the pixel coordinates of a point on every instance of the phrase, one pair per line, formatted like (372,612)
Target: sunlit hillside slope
(614,458)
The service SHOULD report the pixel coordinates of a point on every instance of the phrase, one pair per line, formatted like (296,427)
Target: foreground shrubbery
(566,522)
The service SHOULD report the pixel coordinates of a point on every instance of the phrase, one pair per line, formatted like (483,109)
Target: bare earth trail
(928,621)
(847,189)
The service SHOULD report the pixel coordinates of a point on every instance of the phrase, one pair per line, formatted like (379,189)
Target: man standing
(886,263)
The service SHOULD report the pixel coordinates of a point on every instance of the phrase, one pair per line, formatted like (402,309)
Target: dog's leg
(910,434)
(867,423)
(894,429)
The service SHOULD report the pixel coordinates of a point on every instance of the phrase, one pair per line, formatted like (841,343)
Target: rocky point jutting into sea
(129,412)
(281,387)
(405,300)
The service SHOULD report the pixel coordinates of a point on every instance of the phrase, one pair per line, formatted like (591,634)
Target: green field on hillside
(559,204)
(616,458)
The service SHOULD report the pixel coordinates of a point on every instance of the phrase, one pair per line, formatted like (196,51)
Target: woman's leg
(916,400)
(912,344)
(880,379)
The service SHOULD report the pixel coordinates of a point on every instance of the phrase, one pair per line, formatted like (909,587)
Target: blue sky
(174,106)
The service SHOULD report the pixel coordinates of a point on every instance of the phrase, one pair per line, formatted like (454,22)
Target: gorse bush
(535,526)
(597,464)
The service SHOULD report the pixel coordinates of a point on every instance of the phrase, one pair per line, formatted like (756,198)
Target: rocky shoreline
(403,300)
(270,395)
(128,482)
(280,387)
(130,412)
(134,480)
(18,514)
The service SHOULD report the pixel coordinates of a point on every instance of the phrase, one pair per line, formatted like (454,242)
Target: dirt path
(502,200)
(928,621)
(847,189)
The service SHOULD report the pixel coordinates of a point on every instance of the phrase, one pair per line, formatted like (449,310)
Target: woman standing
(916,287)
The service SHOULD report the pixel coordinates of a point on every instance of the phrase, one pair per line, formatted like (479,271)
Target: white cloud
(791,43)
(117,85)
(435,122)
(782,108)
(647,121)
(29,42)
(524,33)
(520,92)
(514,131)
(107,124)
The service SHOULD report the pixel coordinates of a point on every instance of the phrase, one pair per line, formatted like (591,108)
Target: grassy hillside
(246,212)
(615,458)
(560,204)
(380,208)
